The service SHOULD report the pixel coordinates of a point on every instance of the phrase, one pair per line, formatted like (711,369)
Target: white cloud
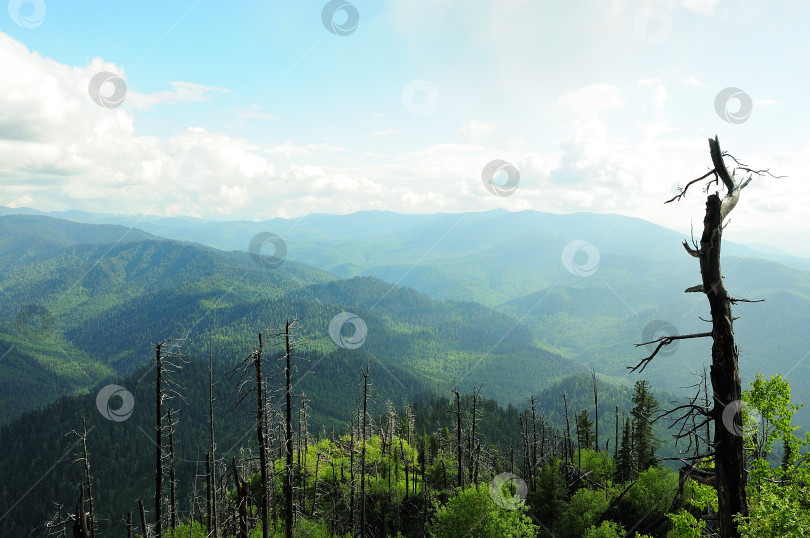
(182,92)
(476,131)
(253,112)
(592,98)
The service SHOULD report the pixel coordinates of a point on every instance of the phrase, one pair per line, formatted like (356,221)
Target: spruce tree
(644,442)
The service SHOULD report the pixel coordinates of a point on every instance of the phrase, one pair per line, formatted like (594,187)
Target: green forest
(454,466)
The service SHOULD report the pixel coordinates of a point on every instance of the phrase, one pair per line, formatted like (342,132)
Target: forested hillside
(89,311)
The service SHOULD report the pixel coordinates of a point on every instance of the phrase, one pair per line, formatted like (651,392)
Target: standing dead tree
(252,382)
(167,360)
(173,521)
(210,468)
(729,460)
(366,373)
(460,477)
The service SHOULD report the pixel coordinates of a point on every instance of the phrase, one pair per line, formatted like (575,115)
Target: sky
(255,110)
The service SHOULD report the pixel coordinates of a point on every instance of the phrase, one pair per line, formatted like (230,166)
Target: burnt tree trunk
(257,363)
(242,494)
(142,513)
(729,460)
(288,440)
(92,515)
(158,442)
(363,456)
(80,525)
(211,468)
(596,408)
(460,480)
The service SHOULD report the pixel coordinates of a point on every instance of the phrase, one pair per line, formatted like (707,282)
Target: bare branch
(663,341)
(682,190)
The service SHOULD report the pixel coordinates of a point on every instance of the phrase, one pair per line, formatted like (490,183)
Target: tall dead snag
(252,381)
(533,470)
(242,494)
(366,374)
(596,407)
(81,526)
(288,440)
(567,443)
(729,460)
(458,439)
(208,492)
(84,459)
(172,479)
(142,512)
(471,436)
(257,363)
(211,505)
(158,439)
(166,353)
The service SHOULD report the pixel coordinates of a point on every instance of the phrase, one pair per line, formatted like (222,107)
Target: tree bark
(92,520)
(729,460)
(460,480)
(158,443)
(142,512)
(596,408)
(257,363)
(288,441)
(212,500)
(172,482)
(363,457)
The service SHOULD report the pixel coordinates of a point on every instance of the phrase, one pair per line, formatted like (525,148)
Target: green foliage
(645,443)
(778,489)
(584,510)
(584,430)
(650,498)
(607,529)
(474,513)
(777,493)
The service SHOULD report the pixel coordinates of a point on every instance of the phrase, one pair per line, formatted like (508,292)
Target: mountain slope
(88,310)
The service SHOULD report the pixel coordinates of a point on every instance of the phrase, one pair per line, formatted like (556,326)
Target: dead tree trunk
(257,363)
(158,441)
(596,408)
(208,491)
(85,458)
(242,494)
(80,525)
(363,456)
(172,481)
(616,441)
(533,470)
(351,474)
(211,469)
(460,480)
(729,460)
(567,443)
(166,353)
(142,513)
(288,440)
(472,437)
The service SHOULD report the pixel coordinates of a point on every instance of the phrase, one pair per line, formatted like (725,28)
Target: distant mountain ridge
(511,262)
(108,300)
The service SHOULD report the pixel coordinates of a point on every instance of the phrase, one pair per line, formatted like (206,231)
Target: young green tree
(585,438)
(473,512)
(624,460)
(644,442)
